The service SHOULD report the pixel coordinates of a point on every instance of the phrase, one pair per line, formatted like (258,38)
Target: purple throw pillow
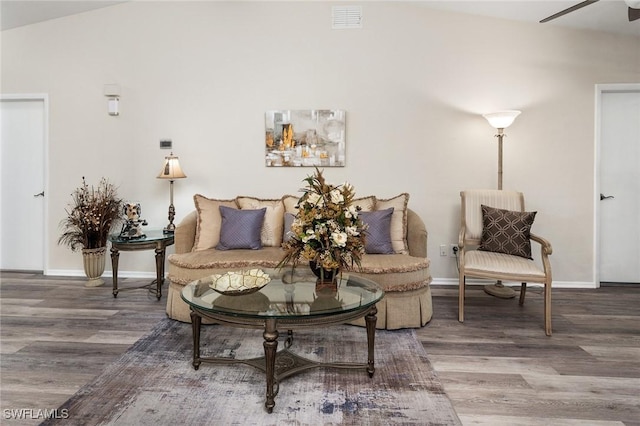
(378,233)
(240,229)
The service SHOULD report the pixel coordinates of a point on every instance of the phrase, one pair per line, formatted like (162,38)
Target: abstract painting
(305,138)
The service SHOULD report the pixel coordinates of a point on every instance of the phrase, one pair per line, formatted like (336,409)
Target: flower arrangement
(326,231)
(90,216)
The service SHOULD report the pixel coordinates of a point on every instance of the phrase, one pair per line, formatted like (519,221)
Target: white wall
(414,83)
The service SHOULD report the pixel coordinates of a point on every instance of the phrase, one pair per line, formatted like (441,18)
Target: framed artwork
(305,138)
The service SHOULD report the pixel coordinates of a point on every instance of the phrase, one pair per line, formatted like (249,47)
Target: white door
(22,157)
(619,204)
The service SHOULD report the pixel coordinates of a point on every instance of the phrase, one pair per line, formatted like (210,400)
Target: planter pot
(323,274)
(94,261)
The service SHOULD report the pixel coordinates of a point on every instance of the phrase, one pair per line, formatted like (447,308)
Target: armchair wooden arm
(545,248)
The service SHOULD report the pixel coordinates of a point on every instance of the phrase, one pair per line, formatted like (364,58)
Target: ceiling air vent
(346,17)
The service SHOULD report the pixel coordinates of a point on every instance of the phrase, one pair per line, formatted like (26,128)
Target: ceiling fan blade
(568,10)
(634,14)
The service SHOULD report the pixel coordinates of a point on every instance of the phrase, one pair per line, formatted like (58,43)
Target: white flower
(309,235)
(314,199)
(336,196)
(339,238)
(352,211)
(352,230)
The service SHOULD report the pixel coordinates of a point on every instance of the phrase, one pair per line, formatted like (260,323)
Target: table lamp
(171,170)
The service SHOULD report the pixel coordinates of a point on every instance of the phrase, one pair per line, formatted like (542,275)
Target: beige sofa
(404,276)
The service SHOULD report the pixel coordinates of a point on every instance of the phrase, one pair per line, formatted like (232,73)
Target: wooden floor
(498,367)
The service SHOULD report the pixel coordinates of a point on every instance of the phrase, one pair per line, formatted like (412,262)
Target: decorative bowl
(237,283)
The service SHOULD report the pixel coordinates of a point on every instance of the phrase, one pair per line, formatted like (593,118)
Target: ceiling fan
(633,7)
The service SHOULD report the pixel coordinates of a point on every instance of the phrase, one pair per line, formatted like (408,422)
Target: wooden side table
(155,239)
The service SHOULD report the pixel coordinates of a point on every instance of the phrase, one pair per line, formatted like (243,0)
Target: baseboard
(436,281)
(555,284)
(108,274)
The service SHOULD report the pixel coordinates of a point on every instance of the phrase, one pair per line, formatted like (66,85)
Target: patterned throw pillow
(506,231)
(378,233)
(240,228)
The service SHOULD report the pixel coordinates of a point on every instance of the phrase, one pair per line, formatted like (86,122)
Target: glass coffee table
(294,304)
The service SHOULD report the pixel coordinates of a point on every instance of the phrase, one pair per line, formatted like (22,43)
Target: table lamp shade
(171,168)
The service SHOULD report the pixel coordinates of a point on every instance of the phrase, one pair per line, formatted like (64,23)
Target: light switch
(114,107)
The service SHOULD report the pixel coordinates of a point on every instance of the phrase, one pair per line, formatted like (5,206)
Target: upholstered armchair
(495,243)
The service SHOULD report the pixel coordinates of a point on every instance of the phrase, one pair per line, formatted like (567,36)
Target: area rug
(154,383)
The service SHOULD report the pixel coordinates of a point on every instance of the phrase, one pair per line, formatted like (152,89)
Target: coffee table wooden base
(280,365)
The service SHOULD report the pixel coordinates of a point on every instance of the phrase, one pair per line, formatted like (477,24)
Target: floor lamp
(500,120)
(171,170)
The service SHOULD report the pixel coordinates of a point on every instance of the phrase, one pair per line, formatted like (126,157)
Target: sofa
(403,274)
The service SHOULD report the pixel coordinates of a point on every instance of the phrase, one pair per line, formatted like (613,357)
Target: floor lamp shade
(171,170)
(501,119)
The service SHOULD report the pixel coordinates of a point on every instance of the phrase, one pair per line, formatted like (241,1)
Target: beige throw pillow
(367,204)
(290,202)
(398,221)
(209,221)
(273,225)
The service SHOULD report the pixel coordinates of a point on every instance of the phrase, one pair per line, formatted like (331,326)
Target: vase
(327,278)
(323,274)
(94,261)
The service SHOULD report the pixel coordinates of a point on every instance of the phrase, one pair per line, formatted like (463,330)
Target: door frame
(45,140)
(599,90)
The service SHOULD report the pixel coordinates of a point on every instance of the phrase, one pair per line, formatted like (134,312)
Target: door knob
(605,197)
(40,194)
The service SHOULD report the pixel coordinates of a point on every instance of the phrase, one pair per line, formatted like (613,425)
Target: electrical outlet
(454,250)
(443,250)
